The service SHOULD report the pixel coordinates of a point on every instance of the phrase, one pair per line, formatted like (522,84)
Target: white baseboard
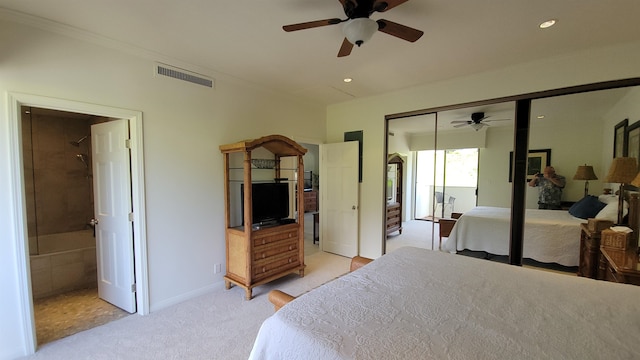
(186,296)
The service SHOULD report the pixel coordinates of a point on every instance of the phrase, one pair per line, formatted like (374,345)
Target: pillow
(610,211)
(608,199)
(588,207)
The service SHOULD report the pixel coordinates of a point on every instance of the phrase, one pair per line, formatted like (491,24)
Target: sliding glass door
(446,182)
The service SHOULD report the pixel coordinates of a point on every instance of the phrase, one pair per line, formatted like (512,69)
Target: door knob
(353,207)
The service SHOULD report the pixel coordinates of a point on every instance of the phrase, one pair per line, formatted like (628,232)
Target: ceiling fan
(477,122)
(358,27)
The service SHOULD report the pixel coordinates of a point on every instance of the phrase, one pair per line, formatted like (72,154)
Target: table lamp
(585,172)
(623,170)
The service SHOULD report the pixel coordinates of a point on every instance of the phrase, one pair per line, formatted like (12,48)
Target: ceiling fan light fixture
(359,30)
(477,126)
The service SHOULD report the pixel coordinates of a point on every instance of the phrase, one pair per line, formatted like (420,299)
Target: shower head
(83,159)
(77,142)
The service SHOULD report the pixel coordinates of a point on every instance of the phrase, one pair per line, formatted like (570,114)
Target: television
(269,201)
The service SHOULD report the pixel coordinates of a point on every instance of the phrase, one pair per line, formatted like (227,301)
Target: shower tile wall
(62,196)
(59,197)
(64,271)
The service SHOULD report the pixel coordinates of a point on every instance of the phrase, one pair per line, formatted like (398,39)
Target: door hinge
(133,288)
(127,143)
(130,216)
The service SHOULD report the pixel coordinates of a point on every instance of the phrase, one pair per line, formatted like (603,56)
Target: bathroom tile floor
(65,314)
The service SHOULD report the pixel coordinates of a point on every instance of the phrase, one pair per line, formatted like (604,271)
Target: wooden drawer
(391,214)
(266,251)
(393,223)
(274,264)
(310,201)
(269,236)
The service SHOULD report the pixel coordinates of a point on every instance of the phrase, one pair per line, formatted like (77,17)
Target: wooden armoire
(395,169)
(258,251)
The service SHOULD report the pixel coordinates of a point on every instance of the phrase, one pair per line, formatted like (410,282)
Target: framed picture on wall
(537,160)
(620,139)
(633,140)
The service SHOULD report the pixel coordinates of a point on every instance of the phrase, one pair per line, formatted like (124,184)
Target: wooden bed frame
(279,298)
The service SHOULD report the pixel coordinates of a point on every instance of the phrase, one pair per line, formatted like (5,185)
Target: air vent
(184,75)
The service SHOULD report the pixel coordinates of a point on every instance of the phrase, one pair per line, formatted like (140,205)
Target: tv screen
(270,202)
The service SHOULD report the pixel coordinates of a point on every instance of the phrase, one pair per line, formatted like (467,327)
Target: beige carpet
(415,233)
(220,325)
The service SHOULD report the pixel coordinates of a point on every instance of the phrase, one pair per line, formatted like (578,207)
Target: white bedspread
(420,304)
(550,236)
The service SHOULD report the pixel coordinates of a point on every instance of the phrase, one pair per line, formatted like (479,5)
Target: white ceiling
(244,38)
(588,105)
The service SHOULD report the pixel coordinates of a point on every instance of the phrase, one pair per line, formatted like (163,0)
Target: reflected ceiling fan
(477,122)
(358,27)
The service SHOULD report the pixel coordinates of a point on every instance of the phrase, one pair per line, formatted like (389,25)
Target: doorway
(18,181)
(311,181)
(61,224)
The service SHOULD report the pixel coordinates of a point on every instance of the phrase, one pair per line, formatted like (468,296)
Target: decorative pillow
(610,211)
(588,207)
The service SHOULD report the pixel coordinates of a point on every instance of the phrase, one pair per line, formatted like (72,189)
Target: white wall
(627,108)
(368,114)
(462,139)
(183,126)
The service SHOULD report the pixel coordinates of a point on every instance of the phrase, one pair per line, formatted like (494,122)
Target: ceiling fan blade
(461,125)
(399,31)
(497,120)
(385,5)
(461,122)
(345,49)
(311,24)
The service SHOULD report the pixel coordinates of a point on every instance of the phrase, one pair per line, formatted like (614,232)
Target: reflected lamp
(585,172)
(623,171)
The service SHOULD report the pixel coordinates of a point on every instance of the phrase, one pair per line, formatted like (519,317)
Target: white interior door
(339,203)
(112,210)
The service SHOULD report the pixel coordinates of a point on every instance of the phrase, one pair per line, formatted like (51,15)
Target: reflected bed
(550,236)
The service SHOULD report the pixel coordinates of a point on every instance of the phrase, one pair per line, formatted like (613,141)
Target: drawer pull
(264,269)
(264,255)
(289,260)
(290,247)
(264,241)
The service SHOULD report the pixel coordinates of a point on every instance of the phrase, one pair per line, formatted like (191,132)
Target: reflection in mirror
(392,182)
(577,129)
(403,135)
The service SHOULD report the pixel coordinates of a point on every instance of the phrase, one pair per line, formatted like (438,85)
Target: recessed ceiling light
(347,80)
(547,24)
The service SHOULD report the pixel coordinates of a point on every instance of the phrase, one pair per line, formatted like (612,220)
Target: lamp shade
(623,170)
(585,172)
(636,182)
(359,30)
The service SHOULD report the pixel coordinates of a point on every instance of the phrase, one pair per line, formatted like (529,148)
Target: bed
(550,236)
(419,304)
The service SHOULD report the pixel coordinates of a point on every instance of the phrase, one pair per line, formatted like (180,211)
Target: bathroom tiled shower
(59,201)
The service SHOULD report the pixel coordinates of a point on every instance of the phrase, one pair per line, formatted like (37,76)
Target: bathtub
(66,262)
